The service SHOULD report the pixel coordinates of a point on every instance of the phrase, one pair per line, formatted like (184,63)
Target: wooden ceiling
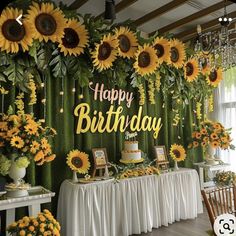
(179,17)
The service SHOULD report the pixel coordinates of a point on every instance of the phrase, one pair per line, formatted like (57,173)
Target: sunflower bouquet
(43,224)
(23,139)
(225,178)
(213,134)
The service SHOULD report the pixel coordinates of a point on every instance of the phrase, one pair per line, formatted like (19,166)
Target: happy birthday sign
(113,120)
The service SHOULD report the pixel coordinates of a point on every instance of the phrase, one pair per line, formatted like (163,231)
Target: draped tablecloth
(131,206)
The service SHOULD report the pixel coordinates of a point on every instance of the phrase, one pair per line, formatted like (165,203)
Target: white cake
(131,152)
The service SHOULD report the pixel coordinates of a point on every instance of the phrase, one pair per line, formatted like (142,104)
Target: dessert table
(130,206)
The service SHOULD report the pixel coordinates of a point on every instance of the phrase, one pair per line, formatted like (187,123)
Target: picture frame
(100,160)
(161,157)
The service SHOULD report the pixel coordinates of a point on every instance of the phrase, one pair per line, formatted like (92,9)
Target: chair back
(220,201)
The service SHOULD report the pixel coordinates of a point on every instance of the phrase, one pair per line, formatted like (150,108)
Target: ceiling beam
(77,4)
(159,11)
(192,17)
(120,6)
(206,26)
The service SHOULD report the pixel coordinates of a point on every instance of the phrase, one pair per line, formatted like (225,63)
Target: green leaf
(58,64)
(15,73)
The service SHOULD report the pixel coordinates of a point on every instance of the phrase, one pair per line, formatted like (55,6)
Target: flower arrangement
(138,171)
(213,134)
(43,224)
(225,178)
(78,161)
(177,152)
(23,139)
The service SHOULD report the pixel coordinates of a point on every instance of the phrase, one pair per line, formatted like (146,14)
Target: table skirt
(129,207)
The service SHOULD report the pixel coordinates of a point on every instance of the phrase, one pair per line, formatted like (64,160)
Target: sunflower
(39,156)
(195,144)
(31,128)
(3,126)
(34,147)
(124,176)
(105,52)
(75,38)
(203,131)
(146,60)
(198,135)
(177,53)
(44,143)
(46,22)
(206,139)
(214,136)
(177,152)
(162,47)
(17,142)
(78,161)
(191,70)
(127,42)
(12,132)
(50,158)
(214,77)
(12,34)
(203,144)
(215,144)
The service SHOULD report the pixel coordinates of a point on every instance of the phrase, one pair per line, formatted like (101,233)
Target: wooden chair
(220,201)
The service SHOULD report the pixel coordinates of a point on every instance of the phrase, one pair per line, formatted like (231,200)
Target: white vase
(176,166)
(16,173)
(75,178)
(210,155)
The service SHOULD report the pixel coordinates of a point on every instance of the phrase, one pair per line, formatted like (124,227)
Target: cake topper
(130,136)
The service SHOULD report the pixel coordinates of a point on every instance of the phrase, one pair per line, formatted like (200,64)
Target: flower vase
(75,178)
(210,155)
(176,166)
(106,173)
(17,188)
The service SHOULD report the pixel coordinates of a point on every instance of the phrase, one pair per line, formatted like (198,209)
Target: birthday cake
(131,152)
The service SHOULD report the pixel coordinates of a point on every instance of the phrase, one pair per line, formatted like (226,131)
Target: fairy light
(61,110)
(81,96)
(62,96)
(42,85)
(73,90)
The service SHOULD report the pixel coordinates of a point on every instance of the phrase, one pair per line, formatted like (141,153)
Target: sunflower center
(71,38)
(144,59)
(77,162)
(124,43)
(176,153)
(13,31)
(189,69)
(104,51)
(213,76)
(45,24)
(174,54)
(159,49)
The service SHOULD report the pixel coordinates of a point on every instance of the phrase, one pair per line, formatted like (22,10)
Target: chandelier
(217,45)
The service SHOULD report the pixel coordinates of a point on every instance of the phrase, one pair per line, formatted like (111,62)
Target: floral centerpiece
(211,135)
(23,139)
(225,178)
(78,162)
(178,153)
(43,224)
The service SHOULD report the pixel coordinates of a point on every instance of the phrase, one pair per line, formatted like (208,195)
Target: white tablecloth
(129,207)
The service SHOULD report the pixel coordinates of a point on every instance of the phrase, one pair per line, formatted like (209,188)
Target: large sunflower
(214,77)
(105,52)
(46,22)
(146,60)
(127,42)
(177,152)
(177,53)
(191,70)
(12,34)
(162,47)
(78,161)
(75,38)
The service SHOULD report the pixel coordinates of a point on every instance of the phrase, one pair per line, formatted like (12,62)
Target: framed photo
(160,153)
(100,157)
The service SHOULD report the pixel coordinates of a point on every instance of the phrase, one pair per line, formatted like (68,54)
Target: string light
(81,96)
(61,110)
(61,93)
(73,90)
(42,85)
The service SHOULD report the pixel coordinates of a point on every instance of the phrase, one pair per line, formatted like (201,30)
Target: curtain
(225,111)
(52,174)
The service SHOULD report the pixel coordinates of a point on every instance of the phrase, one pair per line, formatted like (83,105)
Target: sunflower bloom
(177,152)
(46,22)
(78,161)
(191,70)
(177,56)
(127,42)
(12,34)
(146,60)
(214,77)
(17,142)
(105,52)
(162,47)
(75,38)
